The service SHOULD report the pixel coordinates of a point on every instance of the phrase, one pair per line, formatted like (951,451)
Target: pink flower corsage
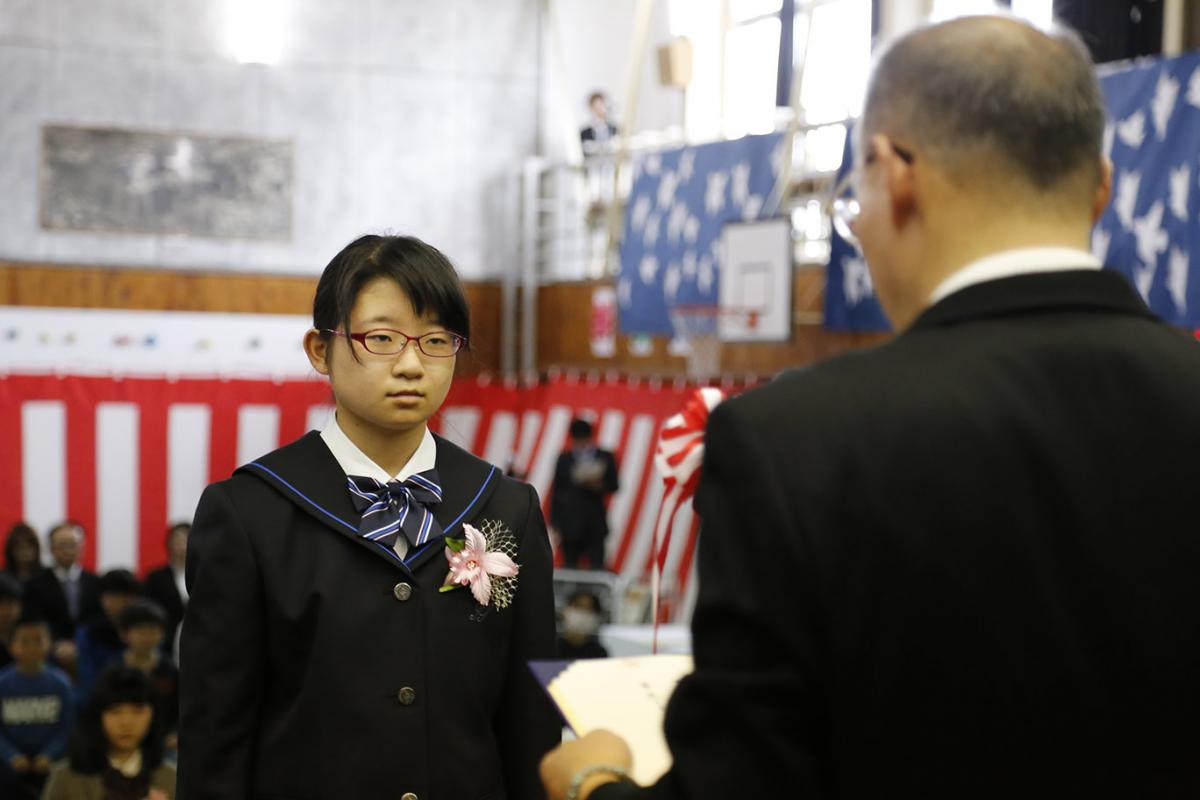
(483,560)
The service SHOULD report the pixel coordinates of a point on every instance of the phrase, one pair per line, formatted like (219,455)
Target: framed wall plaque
(103,179)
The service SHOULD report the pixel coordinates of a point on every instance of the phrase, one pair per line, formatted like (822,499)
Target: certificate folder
(624,695)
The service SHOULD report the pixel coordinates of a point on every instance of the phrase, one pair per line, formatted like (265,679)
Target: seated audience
(116,752)
(165,585)
(143,628)
(98,642)
(36,712)
(64,593)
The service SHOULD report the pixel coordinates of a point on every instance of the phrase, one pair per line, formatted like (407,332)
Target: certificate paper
(624,695)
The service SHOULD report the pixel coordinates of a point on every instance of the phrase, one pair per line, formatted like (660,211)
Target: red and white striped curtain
(125,457)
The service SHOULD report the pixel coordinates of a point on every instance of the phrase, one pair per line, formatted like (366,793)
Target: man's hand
(565,761)
(19,763)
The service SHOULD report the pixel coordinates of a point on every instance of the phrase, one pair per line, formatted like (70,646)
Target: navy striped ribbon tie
(395,506)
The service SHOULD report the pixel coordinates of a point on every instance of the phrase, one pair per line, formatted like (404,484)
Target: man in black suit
(961,564)
(584,477)
(166,585)
(64,593)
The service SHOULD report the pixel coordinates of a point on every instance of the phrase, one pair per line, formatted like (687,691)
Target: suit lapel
(467,483)
(308,475)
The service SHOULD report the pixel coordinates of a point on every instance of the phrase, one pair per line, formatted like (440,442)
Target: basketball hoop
(699,327)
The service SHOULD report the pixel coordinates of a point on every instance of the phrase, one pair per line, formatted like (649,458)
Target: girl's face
(381,396)
(126,725)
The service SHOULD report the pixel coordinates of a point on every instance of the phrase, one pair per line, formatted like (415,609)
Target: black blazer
(44,595)
(961,564)
(577,511)
(316,665)
(160,587)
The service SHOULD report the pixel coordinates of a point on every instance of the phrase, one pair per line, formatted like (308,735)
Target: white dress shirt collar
(67,575)
(180,583)
(1006,264)
(354,461)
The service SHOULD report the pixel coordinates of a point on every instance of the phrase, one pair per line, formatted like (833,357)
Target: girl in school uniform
(363,601)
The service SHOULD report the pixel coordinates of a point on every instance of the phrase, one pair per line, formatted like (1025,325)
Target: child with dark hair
(117,749)
(98,642)
(36,711)
(323,654)
(10,612)
(143,626)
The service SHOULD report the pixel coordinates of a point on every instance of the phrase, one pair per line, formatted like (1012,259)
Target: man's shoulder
(50,677)
(826,386)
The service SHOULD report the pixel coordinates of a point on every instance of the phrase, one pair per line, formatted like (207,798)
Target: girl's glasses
(387,342)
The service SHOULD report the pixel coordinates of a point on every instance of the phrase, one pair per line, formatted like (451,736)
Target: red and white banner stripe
(125,457)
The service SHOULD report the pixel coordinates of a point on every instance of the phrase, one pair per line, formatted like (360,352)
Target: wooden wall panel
(153,290)
(564,312)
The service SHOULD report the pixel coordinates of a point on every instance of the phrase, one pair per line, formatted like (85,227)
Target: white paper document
(624,695)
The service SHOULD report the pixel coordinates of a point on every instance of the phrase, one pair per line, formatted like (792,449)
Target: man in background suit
(64,593)
(584,477)
(961,564)
(166,586)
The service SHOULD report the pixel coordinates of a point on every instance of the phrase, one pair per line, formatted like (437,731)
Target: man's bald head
(995,98)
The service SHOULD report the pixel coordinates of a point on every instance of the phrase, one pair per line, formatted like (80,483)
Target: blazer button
(408,796)
(407,696)
(402,591)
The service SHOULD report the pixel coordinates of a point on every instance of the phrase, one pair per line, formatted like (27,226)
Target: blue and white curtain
(679,201)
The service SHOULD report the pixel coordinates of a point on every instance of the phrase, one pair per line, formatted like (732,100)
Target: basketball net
(697,326)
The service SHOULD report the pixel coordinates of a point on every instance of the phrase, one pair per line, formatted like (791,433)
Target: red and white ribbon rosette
(678,457)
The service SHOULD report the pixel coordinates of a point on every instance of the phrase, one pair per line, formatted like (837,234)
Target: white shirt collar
(1005,264)
(354,461)
(65,575)
(130,767)
(180,583)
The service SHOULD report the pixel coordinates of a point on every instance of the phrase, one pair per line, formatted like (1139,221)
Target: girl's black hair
(142,612)
(424,274)
(89,748)
(17,532)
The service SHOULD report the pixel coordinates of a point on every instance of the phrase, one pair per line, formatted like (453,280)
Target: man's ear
(317,350)
(900,181)
(1103,190)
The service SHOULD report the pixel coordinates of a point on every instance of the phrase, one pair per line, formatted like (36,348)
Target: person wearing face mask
(580,623)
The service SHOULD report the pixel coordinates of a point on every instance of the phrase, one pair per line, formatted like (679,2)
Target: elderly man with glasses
(961,564)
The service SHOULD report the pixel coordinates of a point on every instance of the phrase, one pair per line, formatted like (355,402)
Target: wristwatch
(619,773)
